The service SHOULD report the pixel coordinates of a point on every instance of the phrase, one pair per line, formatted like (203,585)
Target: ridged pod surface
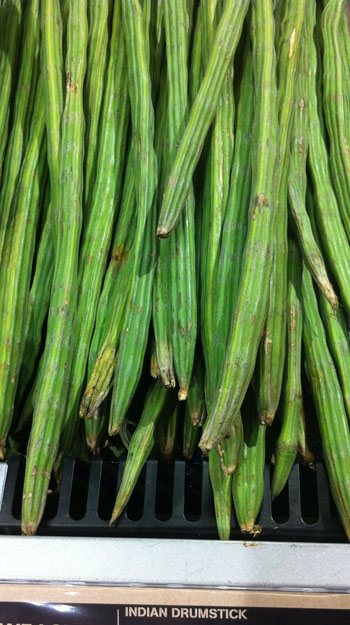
(182,278)
(218,181)
(329,221)
(334,106)
(161,309)
(39,299)
(141,444)
(248,479)
(328,400)
(250,311)
(113,294)
(291,408)
(272,350)
(17,268)
(11,22)
(98,15)
(53,75)
(221,485)
(22,109)
(51,396)
(122,243)
(98,231)
(335,323)
(234,228)
(201,115)
(138,311)
(297,180)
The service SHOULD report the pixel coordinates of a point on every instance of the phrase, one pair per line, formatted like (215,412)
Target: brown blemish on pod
(71,86)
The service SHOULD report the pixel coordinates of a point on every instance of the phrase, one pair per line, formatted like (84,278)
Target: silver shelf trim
(189,563)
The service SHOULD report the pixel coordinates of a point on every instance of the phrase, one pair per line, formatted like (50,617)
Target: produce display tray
(171,501)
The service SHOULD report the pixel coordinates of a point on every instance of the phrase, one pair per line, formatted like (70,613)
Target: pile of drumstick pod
(175,203)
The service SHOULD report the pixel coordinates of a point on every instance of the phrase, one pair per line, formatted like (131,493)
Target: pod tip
(29,529)
(205,446)
(182,394)
(116,512)
(93,444)
(251,528)
(162,233)
(267,418)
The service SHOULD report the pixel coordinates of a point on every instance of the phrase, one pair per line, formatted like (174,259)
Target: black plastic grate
(172,501)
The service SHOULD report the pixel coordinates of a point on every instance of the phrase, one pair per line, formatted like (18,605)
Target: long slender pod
(161,317)
(138,312)
(250,312)
(311,251)
(331,228)
(248,479)
(272,349)
(93,89)
(52,70)
(336,326)
(39,300)
(297,176)
(196,55)
(345,43)
(328,400)
(182,280)
(12,22)
(100,378)
(218,180)
(23,101)
(333,104)
(161,290)
(122,243)
(141,444)
(16,268)
(51,395)
(221,485)
(291,410)
(234,228)
(98,232)
(113,296)
(201,115)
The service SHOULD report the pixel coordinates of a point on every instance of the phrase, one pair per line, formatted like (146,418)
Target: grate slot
(265,517)
(94,487)
(149,506)
(17,491)
(108,489)
(79,492)
(164,491)
(193,494)
(280,505)
(309,495)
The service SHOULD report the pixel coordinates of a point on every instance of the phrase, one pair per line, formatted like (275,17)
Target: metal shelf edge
(250,565)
